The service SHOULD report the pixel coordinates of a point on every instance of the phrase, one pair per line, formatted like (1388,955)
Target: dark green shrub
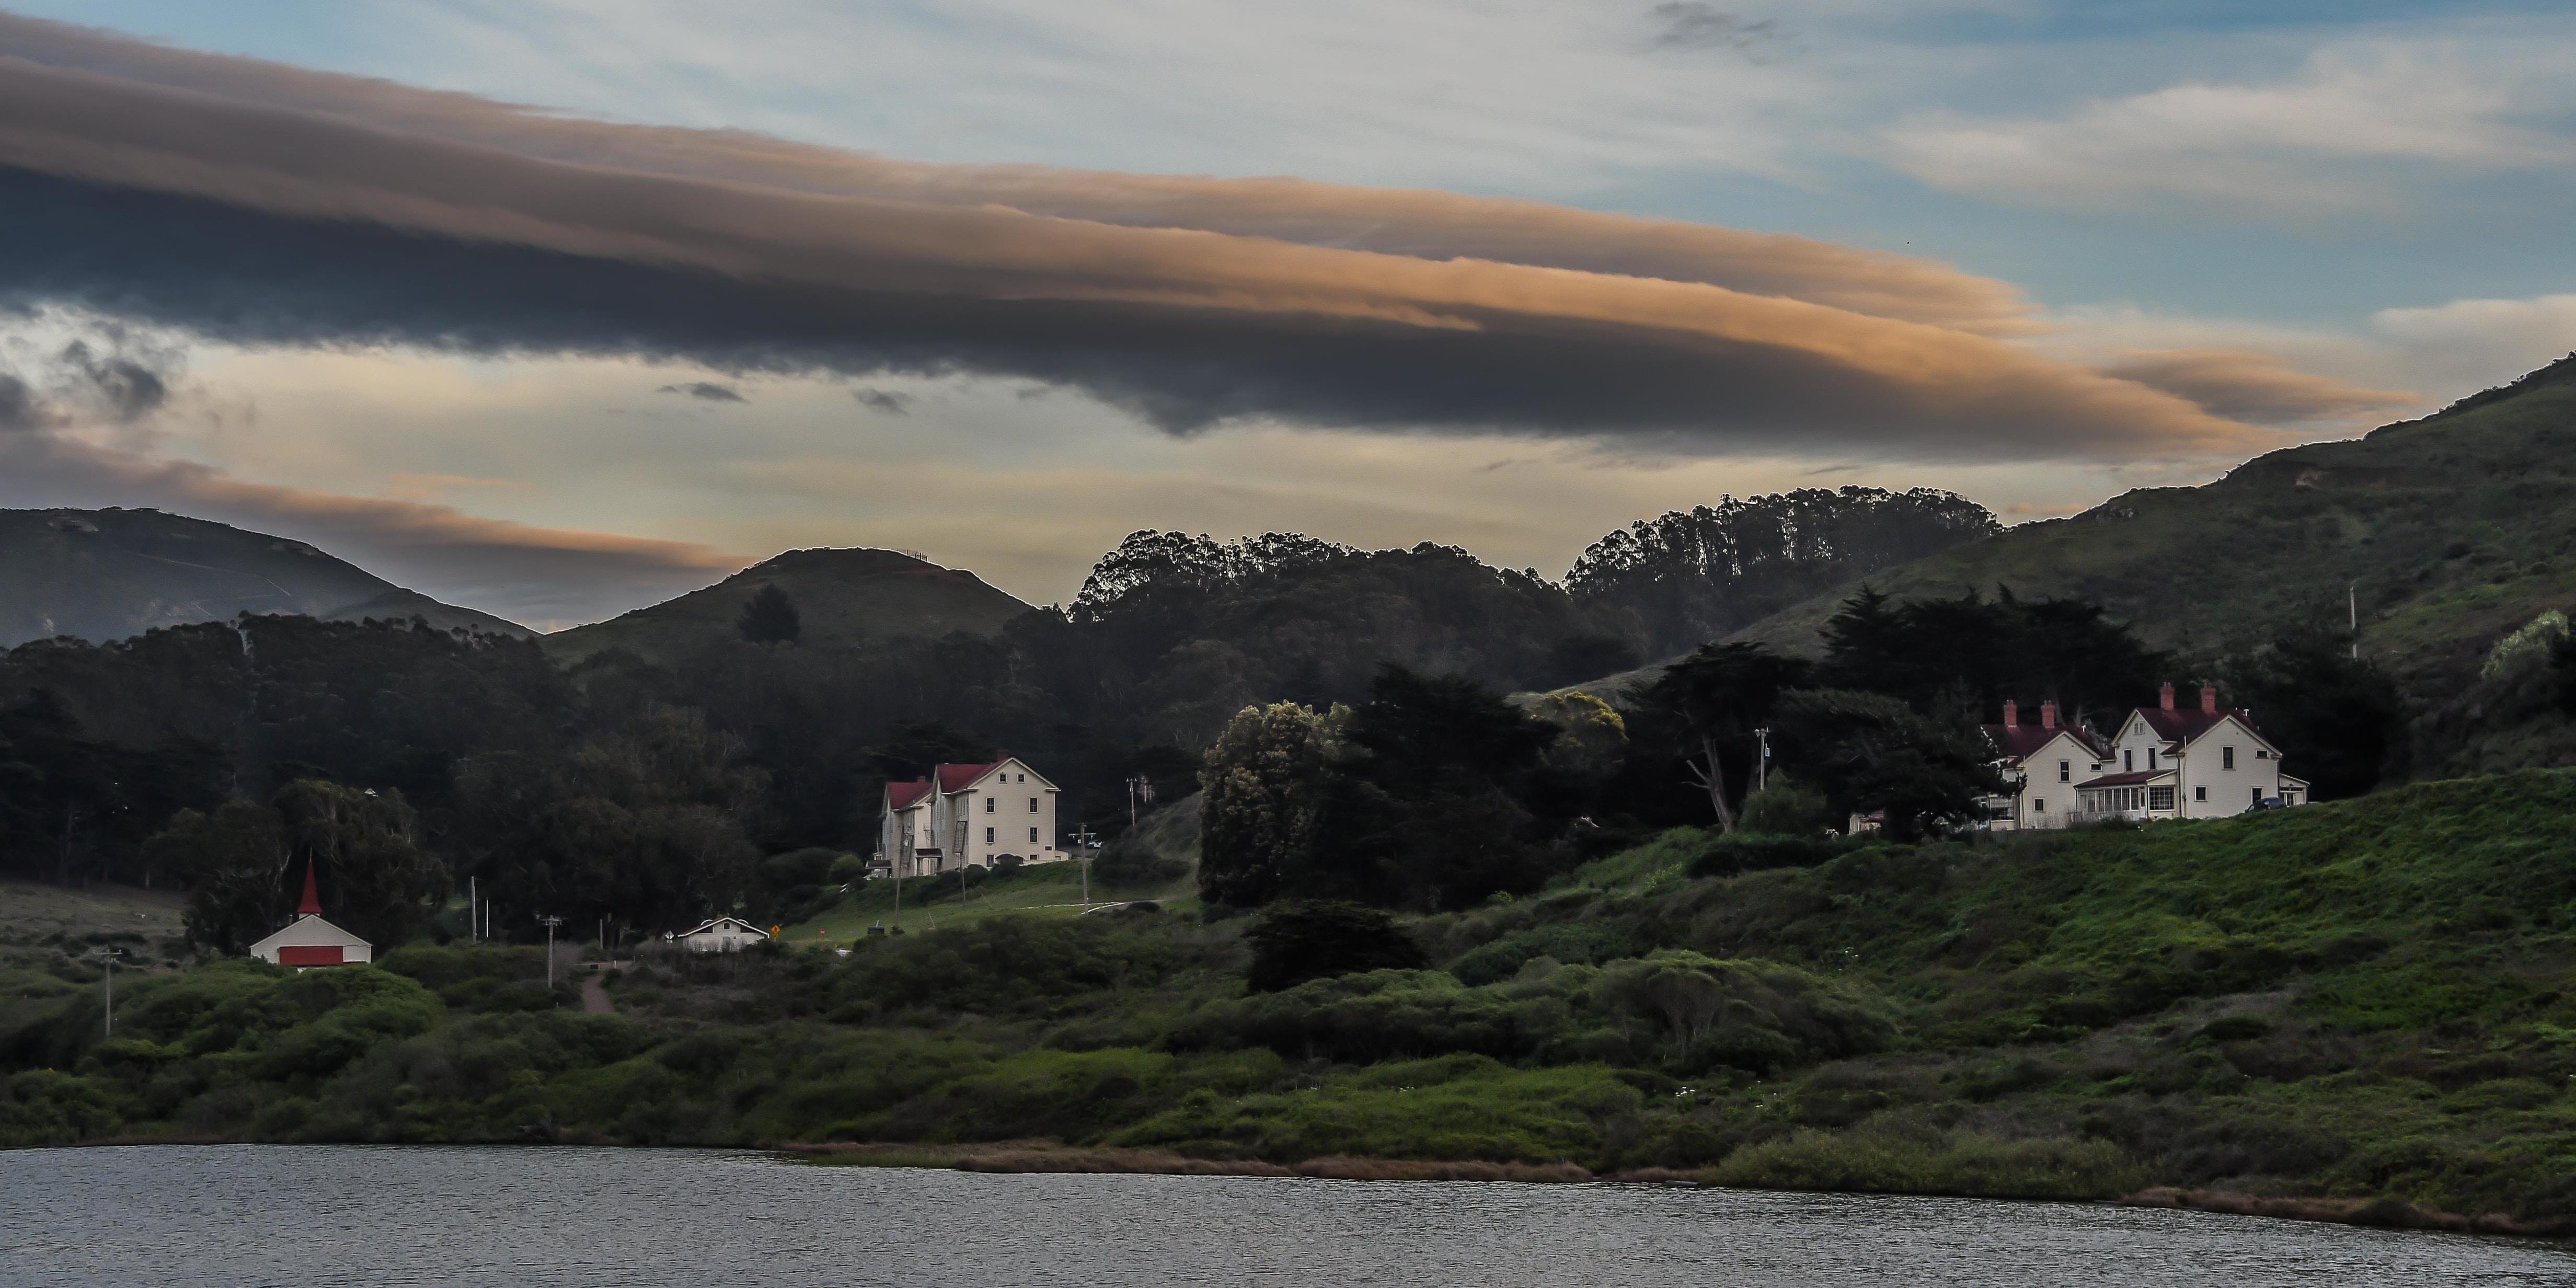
(1726,856)
(1584,943)
(1313,939)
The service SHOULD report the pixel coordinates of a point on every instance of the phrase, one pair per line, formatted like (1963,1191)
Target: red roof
(2183,726)
(957,778)
(906,795)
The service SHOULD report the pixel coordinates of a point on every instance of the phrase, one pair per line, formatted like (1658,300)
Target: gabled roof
(2137,779)
(310,929)
(2188,726)
(906,795)
(2019,742)
(719,922)
(957,778)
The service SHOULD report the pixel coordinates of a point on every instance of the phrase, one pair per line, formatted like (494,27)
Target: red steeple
(312,905)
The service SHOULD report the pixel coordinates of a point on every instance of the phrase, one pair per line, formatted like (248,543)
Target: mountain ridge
(843,596)
(114,573)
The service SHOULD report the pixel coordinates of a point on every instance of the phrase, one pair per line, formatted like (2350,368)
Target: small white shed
(722,935)
(309,940)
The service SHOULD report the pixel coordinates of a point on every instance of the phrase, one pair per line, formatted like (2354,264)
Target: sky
(561,307)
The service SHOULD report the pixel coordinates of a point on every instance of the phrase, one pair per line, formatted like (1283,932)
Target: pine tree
(769,618)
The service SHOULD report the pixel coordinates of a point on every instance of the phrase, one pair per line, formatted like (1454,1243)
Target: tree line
(1434,792)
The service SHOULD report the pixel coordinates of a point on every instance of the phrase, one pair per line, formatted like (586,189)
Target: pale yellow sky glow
(1024,485)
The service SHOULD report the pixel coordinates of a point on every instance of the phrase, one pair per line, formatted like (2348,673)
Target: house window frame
(2065,771)
(2227,757)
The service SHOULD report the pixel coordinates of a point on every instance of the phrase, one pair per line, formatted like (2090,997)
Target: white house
(965,815)
(722,935)
(309,940)
(2169,763)
(2045,762)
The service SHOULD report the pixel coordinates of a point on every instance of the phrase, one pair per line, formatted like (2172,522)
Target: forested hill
(109,574)
(841,598)
(2452,531)
(2454,537)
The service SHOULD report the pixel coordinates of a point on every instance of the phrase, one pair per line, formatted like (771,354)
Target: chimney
(312,905)
(2164,696)
(2209,699)
(2048,714)
(2012,714)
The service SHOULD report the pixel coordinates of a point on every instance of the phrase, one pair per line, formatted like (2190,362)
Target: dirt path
(594,994)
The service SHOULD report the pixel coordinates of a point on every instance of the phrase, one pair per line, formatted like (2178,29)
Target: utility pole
(107,981)
(473,911)
(1762,762)
(1082,846)
(2352,610)
(551,923)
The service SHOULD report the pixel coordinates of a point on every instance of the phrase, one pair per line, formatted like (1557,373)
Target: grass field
(40,923)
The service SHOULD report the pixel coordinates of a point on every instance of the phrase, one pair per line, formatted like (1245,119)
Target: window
(2151,760)
(2128,761)
(2065,772)
(2038,804)
(2096,767)
(988,803)
(1033,836)
(1033,804)
(2258,795)
(2200,793)
(2160,798)
(2227,758)
(988,836)
(2261,754)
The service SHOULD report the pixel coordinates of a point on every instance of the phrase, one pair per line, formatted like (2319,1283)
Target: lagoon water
(315,1216)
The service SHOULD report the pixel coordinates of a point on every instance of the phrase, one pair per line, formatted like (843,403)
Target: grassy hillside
(108,574)
(41,922)
(2456,529)
(2366,1007)
(843,596)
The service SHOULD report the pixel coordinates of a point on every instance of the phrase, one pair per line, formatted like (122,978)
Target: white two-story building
(2166,762)
(2044,762)
(964,815)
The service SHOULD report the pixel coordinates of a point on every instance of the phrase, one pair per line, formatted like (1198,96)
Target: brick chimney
(2012,714)
(2209,699)
(2164,696)
(2048,714)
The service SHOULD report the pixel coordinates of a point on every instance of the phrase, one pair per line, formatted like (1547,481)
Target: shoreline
(2384,1212)
(1034,1157)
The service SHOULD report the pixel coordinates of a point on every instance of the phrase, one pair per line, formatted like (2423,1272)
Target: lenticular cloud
(263,204)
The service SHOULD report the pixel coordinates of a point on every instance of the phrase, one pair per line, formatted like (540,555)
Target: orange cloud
(1191,302)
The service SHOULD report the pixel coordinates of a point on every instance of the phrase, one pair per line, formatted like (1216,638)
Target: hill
(2449,532)
(104,575)
(2362,1010)
(843,597)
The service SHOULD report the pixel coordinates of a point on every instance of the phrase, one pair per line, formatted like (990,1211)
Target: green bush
(1580,943)
(1304,939)
(1753,1015)
(1895,1160)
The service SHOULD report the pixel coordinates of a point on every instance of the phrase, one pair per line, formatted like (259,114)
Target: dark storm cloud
(892,404)
(704,389)
(269,206)
(18,409)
